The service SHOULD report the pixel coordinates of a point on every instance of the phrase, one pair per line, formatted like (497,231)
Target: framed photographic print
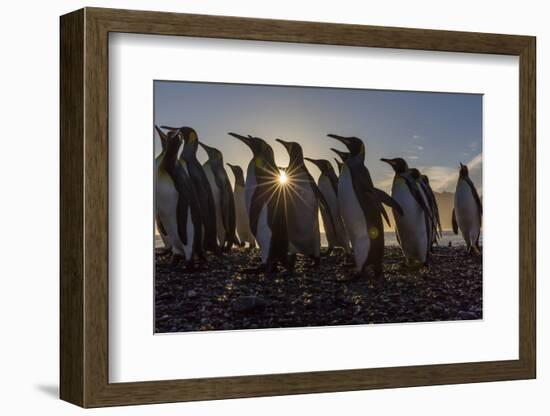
(256,207)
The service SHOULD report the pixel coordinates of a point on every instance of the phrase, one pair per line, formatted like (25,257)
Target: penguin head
(415,173)
(189,137)
(343,155)
(237,172)
(354,144)
(163,137)
(174,139)
(294,151)
(252,142)
(398,164)
(260,148)
(213,153)
(322,164)
(463,173)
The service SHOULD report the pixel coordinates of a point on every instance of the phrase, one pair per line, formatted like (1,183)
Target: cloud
(443,178)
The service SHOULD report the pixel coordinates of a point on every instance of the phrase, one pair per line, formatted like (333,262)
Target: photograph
(280,206)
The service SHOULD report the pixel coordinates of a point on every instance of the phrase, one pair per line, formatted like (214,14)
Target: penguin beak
(339,138)
(285,144)
(389,161)
(341,154)
(169,128)
(162,135)
(244,139)
(314,161)
(208,149)
(249,141)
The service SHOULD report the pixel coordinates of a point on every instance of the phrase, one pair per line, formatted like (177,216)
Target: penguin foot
(475,251)
(291,263)
(163,251)
(316,263)
(176,260)
(425,269)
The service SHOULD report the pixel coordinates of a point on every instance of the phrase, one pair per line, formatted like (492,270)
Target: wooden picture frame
(84,207)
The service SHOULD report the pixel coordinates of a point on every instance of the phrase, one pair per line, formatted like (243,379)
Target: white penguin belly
(243,225)
(303,218)
(340,236)
(354,218)
(411,226)
(263,234)
(466,212)
(167,203)
(217,202)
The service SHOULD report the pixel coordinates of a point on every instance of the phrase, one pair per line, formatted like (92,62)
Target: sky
(431,131)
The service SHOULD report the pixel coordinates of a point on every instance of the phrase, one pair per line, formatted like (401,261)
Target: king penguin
(424,184)
(264,203)
(243,226)
(188,158)
(223,197)
(337,235)
(178,208)
(414,228)
(302,199)
(160,227)
(467,211)
(361,208)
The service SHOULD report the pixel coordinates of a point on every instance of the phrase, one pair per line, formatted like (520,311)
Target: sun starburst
(283,179)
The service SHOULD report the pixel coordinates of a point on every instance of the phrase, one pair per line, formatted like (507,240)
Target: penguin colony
(198,212)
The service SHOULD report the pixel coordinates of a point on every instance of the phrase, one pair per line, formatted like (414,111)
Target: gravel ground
(226,295)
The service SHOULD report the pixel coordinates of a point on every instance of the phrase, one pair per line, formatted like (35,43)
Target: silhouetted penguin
(188,158)
(160,227)
(264,199)
(243,225)
(223,197)
(302,200)
(467,210)
(361,208)
(414,228)
(424,184)
(337,235)
(178,208)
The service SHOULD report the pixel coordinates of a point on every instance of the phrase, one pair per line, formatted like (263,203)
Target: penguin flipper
(455,225)
(385,199)
(181,213)
(385,215)
(160,226)
(322,200)
(417,195)
(475,194)
(333,180)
